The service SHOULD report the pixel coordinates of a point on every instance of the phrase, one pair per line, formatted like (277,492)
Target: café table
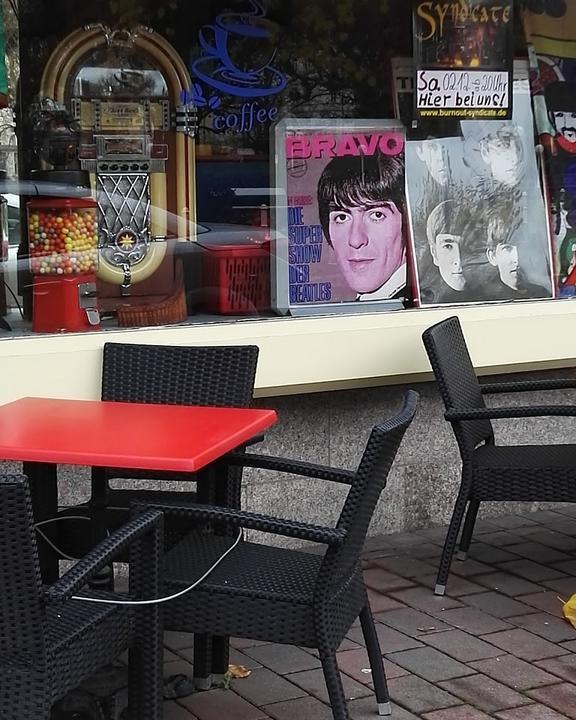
(43,433)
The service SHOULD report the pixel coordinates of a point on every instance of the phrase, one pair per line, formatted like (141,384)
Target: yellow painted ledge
(310,354)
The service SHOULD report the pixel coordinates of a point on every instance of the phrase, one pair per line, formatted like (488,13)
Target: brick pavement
(495,646)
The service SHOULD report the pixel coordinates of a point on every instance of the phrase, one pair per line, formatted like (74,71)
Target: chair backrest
(363,496)
(21,608)
(457,381)
(179,375)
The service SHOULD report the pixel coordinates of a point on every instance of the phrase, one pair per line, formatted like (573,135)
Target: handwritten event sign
(462,93)
(464,59)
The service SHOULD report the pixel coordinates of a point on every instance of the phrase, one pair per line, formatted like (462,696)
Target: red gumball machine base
(64,303)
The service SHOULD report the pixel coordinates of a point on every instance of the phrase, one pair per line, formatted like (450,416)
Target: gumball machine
(63,249)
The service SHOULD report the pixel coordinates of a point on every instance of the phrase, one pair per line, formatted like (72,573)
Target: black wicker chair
(49,642)
(282,595)
(531,473)
(221,376)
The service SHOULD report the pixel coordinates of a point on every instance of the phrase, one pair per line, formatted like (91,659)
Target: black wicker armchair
(531,473)
(50,642)
(283,595)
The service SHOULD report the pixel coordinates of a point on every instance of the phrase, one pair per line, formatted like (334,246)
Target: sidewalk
(495,646)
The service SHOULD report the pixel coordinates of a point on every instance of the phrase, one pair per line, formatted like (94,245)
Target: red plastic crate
(236,279)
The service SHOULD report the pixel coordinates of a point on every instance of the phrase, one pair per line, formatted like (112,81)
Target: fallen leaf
(238,671)
(569,610)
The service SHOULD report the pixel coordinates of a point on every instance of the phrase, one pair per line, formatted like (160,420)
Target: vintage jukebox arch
(124,89)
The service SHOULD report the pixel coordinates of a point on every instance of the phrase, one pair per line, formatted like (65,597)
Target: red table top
(130,435)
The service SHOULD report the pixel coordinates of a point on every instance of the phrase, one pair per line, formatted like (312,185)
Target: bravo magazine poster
(340,216)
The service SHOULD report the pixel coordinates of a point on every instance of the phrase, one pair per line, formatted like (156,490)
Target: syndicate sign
(340,219)
(463,59)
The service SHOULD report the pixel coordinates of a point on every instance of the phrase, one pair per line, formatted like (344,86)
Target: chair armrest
(295,467)
(251,521)
(498,413)
(86,568)
(528,386)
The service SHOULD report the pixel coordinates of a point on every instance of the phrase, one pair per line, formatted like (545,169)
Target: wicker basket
(165,312)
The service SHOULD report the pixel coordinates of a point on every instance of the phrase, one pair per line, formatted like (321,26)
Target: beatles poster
(478,221)
(339,217)
(464,54)
(551,29)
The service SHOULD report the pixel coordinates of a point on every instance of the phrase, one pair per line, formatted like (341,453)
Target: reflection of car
(210,237)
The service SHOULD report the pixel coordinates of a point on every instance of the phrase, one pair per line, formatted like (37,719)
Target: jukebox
(123,88)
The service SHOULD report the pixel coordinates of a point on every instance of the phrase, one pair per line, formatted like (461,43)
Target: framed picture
(479,229)
(339,217)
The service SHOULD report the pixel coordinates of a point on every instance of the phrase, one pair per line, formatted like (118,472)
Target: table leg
(43,479)
(212,654)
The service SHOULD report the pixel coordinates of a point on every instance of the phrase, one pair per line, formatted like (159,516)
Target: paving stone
(508,584)
(547,626)
(530,712)
(456,587)
(424,599)
(491,554)
(512,671)
(559,697)
(549,537)
(406,566)
(390,640)
(426,551)
(500,538)
(307,708)
(510,522)
(462,712)
(172,711)
(356,664)
(567,566)
(405,539)
(383,581)
(564,586)
(430,664)
(241,643)
(178,640)
(283,659)
(381,603)
(312,681)
(569,646)
(564,667)
(498,605)
(469,568)
(531,570)
(473,621)
(434,533)
(419,696)
(538,553)
(365,709)
(524,644)
(484,693)
(263,686)
(547,601)
(461,645)
(412,622)
(218,704)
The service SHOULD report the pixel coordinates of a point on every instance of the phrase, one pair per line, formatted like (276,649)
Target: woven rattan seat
(282,595)
(530,473)
(51,642)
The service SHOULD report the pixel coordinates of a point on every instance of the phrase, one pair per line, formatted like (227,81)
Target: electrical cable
(15,299)
(58,519)
(157,601)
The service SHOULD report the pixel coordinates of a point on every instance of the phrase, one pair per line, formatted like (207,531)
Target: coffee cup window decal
(238,52)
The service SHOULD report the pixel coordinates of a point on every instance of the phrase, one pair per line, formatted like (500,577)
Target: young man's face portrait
(565,124)
(434,155)
(502,152)
(505,258)
(446,254)
(368,243)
